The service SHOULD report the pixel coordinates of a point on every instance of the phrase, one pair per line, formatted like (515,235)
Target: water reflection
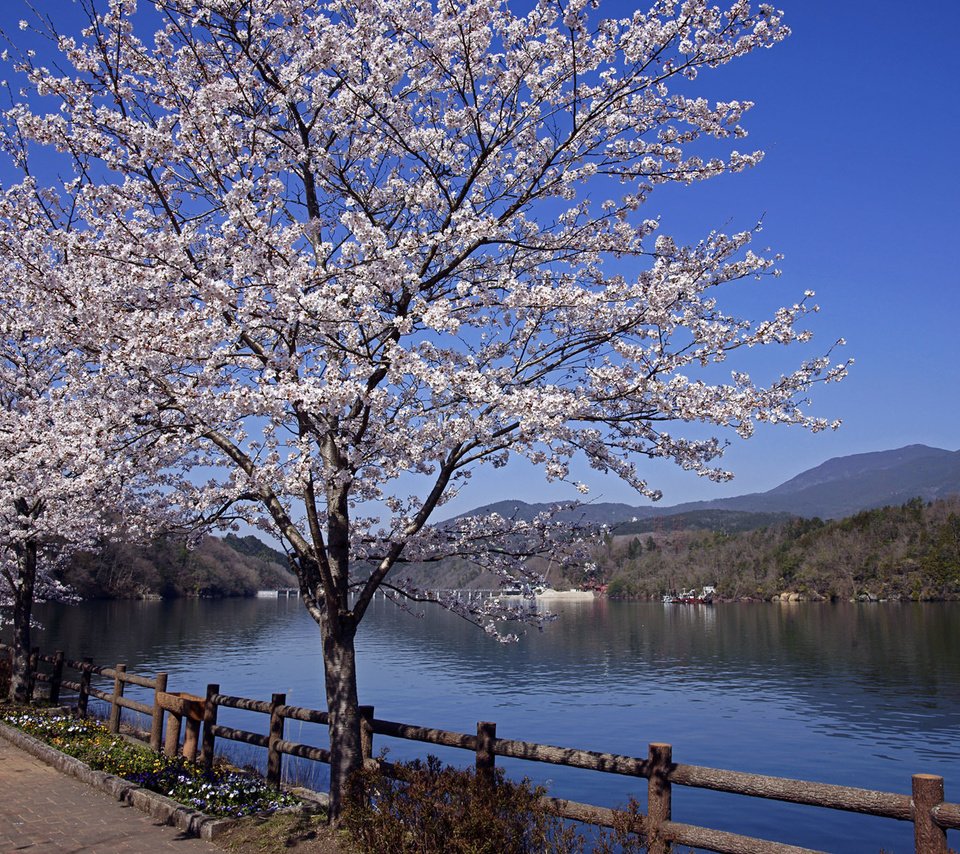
(888,666)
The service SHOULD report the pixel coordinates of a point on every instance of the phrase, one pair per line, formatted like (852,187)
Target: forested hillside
(230,566)
(910,552)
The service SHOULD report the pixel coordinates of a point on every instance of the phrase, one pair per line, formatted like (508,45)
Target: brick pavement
(44,811)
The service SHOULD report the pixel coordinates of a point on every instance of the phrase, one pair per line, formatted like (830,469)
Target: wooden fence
(179,706)
(925,807)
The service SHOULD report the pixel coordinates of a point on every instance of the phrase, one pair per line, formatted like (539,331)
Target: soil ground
(299,832)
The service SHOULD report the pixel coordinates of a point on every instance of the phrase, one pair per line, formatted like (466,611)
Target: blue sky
(859,114)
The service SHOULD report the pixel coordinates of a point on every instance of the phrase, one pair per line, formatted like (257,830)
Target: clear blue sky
(859,114)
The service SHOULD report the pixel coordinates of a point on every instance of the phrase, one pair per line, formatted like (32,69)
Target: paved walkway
(43,810)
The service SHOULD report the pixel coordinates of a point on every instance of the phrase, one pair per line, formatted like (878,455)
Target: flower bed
(220,792)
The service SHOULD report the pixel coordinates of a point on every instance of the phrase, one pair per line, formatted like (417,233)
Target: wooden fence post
(274,756)
(33,662)
(209,722)
(366,732)
(86,671)
(56,677)
(928,836)
(171,740)
(118,685)
(156,722)
(486,752)
(191,728)
(659,796)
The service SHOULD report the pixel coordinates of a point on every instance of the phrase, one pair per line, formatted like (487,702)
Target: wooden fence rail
(925,807)
(86,670)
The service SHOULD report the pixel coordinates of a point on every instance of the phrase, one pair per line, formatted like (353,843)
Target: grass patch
(302,832)
(223,792)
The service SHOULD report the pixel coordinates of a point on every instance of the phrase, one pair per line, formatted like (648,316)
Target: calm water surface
(861,695)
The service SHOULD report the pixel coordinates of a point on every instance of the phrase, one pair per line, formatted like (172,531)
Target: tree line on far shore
(908,552)
(166,567)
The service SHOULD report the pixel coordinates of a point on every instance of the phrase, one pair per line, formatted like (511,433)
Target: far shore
(792,598)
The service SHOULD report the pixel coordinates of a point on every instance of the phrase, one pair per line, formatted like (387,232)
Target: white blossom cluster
(309,248)
(60,470)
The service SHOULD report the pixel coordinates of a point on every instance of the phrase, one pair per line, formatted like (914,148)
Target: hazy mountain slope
(839,487)
(165,566)
(846,485)
(856,465)
(253,546)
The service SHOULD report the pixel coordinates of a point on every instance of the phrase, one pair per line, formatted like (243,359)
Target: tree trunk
(22,613)
(340,666)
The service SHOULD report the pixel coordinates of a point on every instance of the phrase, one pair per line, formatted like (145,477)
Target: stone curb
(154,804)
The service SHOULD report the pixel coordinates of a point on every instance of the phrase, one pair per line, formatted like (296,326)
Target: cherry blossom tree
(339,255)
(56,474)
(39,497)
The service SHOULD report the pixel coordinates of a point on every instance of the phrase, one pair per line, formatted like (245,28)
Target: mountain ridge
(838,487)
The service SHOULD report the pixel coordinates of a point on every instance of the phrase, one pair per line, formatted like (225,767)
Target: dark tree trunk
(340,666)
(22,613)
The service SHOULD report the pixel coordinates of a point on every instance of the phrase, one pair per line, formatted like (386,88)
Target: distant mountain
(837,488)
(843,486)
(858,465)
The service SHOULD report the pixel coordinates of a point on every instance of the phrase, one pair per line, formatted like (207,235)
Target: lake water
(861,695)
